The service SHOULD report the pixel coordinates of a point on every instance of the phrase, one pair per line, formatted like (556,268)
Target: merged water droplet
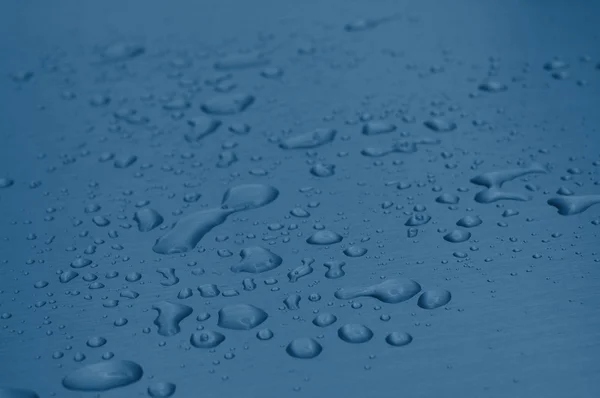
(389,291)
(169,316)
(417,219)
(189,230)
(570,205)
(494,180)
(302,270)
(256,260)
(334,269)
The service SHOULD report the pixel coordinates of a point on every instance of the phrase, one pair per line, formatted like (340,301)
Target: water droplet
(241,317)
(398,339)
(200,127)
(324,237)
(324,320)
(322,170)
(457,236)
(161,389)
(122,51)
(304,348)
(492,86)
(378,127)
(308,140)
(264,334)
(448,198)
(6,182)
(440,125)
(355,251)
(96,341)
(432,299)
(103,376)
(227,104)
(469,221)
(355,333)
(6,392)
(206,339)
(241,61)
(147,219)
(417,220)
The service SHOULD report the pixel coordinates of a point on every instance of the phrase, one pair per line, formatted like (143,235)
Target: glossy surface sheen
(321,198)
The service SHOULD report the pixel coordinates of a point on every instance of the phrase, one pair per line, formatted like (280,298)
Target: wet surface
(311,199)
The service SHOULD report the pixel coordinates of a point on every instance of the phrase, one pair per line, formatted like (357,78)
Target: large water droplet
(241,317)
(103,376)
(324,237)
